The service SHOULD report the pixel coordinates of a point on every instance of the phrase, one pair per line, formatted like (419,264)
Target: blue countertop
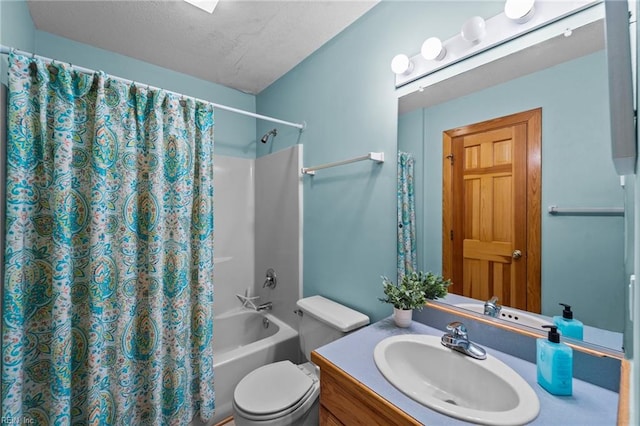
(589,404)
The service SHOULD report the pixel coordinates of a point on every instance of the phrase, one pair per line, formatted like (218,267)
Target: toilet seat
(274,390)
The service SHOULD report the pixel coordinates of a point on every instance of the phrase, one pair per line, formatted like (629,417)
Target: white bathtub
(242,343)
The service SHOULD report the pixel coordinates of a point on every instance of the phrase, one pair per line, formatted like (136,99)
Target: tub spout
(267,306)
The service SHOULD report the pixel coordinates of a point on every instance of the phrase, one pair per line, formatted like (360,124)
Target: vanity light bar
(487,34)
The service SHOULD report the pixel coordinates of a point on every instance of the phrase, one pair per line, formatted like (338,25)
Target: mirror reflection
(580,254)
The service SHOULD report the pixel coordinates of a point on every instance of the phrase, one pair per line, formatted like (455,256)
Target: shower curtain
(108,291)
(406,216)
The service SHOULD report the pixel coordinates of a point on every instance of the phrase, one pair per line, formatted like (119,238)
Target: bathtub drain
(265,322)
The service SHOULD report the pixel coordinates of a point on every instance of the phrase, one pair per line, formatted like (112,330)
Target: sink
(510,315)
(479,391)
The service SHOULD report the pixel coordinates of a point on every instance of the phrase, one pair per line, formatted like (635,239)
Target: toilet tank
(324,321)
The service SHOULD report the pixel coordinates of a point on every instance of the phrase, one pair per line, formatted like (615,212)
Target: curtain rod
(5,50)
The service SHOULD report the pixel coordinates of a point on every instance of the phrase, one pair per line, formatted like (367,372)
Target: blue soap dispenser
(568,326)
(554,362)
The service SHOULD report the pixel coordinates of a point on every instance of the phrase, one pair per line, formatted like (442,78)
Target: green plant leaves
(414,289)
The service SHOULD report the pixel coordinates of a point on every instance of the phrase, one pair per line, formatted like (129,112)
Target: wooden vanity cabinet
(346,401)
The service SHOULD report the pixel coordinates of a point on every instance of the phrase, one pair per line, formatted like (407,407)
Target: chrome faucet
(266,306)
(271,279)
(492,308)
(458,340)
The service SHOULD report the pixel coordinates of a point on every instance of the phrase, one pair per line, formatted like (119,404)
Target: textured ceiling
(246,45)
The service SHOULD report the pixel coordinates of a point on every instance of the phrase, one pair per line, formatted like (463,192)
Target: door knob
(517,254)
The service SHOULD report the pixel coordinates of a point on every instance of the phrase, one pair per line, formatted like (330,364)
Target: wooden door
(491,210)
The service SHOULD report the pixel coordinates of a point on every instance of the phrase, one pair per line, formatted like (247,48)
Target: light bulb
(474,29)
(432,49)
(401,64)
(519,11)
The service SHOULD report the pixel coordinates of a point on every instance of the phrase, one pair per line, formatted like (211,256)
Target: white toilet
(284,393)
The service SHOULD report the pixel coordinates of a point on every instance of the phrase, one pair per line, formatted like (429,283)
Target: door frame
(533,121)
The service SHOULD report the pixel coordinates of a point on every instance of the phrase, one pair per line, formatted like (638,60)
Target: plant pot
(402,317)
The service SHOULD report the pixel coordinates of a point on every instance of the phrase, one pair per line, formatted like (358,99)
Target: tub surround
(278,230)
(258,226)
(353,354)
(235,213)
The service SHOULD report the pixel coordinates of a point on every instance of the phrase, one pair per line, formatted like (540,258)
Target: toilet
(284,393)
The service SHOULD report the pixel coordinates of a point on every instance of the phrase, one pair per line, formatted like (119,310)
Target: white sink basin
(510,315)
(479,391)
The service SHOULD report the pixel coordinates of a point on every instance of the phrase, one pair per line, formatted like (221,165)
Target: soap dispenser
(554,361)
(568,326)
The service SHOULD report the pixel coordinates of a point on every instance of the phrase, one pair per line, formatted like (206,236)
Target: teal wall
(581,256)
(16,30)
(345,93)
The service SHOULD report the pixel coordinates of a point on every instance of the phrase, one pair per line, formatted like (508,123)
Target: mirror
(582,253)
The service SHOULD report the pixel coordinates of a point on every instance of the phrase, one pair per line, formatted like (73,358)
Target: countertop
(589,404)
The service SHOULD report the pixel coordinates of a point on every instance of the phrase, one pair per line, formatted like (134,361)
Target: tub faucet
(266,306)
(492,308)
(271,279)
(458,340)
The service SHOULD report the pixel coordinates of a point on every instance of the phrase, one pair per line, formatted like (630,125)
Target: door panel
(502,208)
(485,210)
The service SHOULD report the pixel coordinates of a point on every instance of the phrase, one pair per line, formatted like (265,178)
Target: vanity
(353,391)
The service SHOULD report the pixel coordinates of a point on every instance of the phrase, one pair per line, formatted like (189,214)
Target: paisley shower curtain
(406,216)
(108,291)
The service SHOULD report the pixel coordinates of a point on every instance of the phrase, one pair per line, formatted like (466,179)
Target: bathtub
(244,340)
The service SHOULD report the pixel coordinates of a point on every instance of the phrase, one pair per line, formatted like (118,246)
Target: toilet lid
(272,388)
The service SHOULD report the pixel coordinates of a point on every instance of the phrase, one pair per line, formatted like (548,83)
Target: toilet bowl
(283,393)
(278,394)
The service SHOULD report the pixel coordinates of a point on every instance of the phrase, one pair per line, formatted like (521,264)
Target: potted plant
(411,293)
